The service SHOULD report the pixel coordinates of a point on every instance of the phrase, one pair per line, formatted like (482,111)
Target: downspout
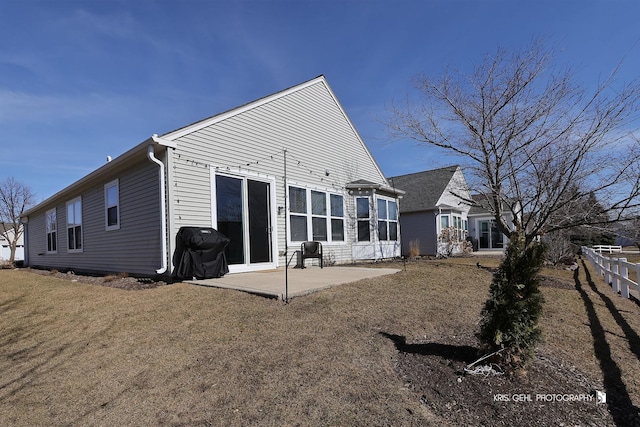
(163,209)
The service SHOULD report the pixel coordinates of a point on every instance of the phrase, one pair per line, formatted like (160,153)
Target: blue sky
(80,80)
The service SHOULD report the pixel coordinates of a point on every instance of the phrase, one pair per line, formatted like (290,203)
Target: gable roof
(201,124)
(169,140)
(423,189)
(480,205)
(207,121)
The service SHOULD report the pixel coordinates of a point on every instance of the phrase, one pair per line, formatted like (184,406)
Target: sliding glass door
(490,236)
(243,214)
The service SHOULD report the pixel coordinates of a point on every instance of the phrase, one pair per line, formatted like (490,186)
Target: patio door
(243,214)
(490,236)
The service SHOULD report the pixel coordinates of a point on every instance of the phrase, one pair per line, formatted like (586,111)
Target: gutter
(163,209)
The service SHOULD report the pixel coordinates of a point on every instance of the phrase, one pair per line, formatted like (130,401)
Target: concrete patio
(271,283)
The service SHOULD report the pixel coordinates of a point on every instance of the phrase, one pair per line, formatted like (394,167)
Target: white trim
(370,219)
(163,141)
(309,215)
(108,185)
(56,231)
(254,176)
(73,202)
(388,220)
(163,210)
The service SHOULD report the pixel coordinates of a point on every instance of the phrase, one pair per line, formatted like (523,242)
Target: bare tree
(15,197)
(629,230)
(531,136)
(535,145)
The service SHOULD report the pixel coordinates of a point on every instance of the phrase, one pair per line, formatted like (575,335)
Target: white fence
(608,249)
(615,272)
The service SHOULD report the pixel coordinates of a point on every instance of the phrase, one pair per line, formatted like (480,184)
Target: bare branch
(15,198)
(536,143)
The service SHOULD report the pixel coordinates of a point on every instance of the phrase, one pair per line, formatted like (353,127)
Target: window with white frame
(364,218)
(444,222)
(112,205)
(457,225)
(460,227)
(337,218)
(319,216)
(315,214)
(52,231)
(74,225)
(298,216)
(387,220)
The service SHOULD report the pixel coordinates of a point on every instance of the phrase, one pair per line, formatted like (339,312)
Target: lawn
(78,354)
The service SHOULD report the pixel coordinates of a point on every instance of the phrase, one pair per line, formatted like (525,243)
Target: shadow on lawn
(631,335)
(619,402)
(461,353)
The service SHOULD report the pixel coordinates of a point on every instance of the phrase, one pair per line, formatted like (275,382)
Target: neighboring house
(434,211)
(438,214)
(229,172)
(483,230)
(5,245)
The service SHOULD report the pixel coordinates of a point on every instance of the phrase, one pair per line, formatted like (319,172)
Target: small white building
(5,246)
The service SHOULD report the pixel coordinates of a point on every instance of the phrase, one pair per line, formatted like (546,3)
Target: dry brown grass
(79,354)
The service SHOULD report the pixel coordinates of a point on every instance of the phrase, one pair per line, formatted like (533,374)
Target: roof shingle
(423,189)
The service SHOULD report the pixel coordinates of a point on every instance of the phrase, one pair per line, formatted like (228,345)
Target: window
(362,212)
(112,205)
(74,225)
(382,220)
(298,219)
(444,222)
(319,222)
(337,218)
(393,220)
(387,220)
(460,227)
(52,231)
(319,216)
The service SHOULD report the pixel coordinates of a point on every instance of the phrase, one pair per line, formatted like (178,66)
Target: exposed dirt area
(118,281)
(551,391)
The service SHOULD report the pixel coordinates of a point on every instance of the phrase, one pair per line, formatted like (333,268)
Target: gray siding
(308,123)
(134,248)
(420,226)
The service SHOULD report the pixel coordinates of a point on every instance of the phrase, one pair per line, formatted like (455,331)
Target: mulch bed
(435,372)
(551,392)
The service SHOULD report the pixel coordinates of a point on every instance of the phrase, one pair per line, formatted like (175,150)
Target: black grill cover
(200,253)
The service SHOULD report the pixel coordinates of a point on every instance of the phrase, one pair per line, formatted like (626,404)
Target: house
(483,230)
(440,216)
(5,245)
(434,211)
(269,175)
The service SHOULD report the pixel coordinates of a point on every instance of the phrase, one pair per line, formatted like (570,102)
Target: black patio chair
(311,250)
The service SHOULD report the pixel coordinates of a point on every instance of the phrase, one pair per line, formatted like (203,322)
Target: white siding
(456,194)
